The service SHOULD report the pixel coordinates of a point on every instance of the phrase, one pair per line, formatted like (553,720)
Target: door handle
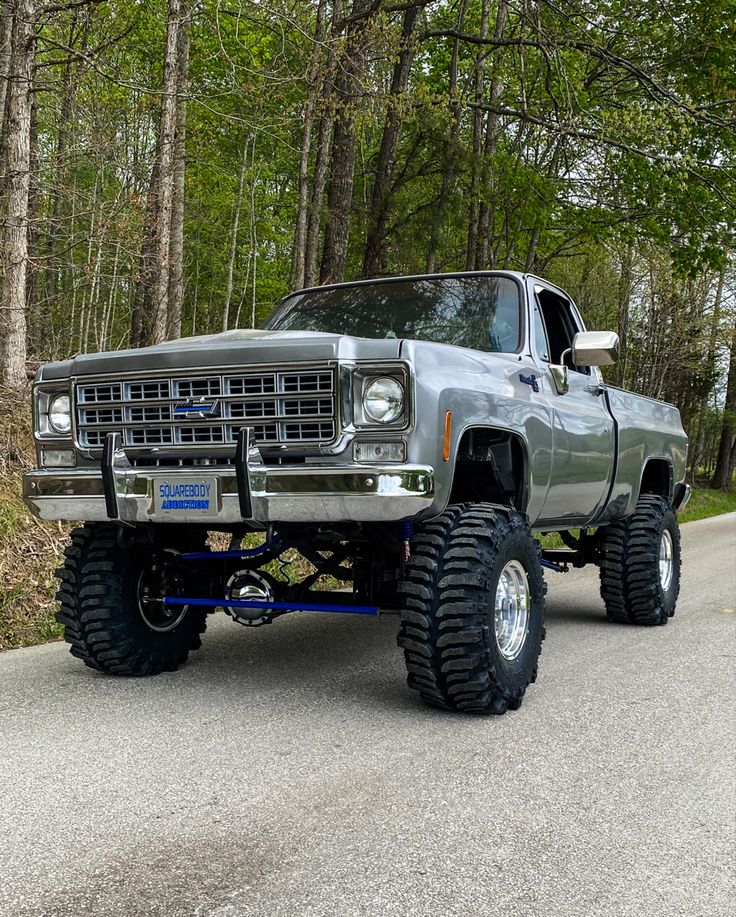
(596,390)
(529,380)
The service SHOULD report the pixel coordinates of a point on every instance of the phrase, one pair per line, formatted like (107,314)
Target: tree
(18,158)
(234,241)
(156,314)
(344,140)
(175,298)
(299,256)
(726,458)
(449,159)
(374,256)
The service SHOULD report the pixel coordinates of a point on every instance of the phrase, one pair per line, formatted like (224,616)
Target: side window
(505,326)
(561,326)
(540,333)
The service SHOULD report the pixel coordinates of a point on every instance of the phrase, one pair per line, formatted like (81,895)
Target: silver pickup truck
(406,436)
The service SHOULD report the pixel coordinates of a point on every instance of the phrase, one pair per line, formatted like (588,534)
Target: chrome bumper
(344,493)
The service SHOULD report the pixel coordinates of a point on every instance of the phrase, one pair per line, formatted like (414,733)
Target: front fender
(480,391)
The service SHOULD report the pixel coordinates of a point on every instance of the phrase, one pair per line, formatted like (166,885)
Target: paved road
(288,771)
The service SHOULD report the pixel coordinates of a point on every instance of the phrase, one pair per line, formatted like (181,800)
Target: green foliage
(656,80)
(705,503)
(611,143)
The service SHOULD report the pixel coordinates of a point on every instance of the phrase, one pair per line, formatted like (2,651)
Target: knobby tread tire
(448,593)
(98,608)
(629,570)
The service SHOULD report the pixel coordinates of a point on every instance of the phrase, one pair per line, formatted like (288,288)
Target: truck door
(583,438)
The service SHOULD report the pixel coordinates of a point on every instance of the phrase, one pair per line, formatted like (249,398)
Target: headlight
(60,414)
(383,400)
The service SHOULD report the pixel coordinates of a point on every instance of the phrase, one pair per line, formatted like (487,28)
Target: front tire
(108,604)
(473,609)
(640,564)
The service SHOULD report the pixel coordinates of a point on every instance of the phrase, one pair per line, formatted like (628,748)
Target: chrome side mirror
(595,348)
(560,379)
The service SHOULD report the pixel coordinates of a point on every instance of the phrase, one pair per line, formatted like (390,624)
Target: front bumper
(304,493)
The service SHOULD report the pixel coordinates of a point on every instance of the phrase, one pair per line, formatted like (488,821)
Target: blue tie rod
(277,606)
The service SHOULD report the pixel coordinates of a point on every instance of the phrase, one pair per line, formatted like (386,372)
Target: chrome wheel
(666,563)
(156,581)
(511,611)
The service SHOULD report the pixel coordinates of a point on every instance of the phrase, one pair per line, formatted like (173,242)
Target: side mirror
(595,348)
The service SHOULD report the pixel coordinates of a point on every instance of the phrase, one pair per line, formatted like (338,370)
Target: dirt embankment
(30,550)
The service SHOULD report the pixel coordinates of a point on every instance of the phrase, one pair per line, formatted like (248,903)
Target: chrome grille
(283,407)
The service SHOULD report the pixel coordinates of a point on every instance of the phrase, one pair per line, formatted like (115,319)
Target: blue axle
(278,606)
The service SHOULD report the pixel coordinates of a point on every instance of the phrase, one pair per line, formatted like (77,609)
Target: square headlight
(52,412)
(381,396)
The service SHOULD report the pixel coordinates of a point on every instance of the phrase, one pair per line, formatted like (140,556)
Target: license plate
(184,495)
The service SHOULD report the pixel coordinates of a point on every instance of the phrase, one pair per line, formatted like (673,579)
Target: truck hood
(236,348)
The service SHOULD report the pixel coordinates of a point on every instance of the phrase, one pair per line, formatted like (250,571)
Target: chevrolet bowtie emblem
(197,409)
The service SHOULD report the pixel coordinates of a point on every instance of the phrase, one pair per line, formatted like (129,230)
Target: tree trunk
(253,230)
(531,254)
(724,466)
(234,240)
(319,183)
(176,251)
(6,45)
(732,462)
(486,210)
(298,255)
(715,321)
(54,222)
(472,248)
(322,153)
(142,295)
(158,319)
(344,142)
(450,163)
(149,320)
(33,214)
(15,252)
(374,258)
(624,298)
(52,270)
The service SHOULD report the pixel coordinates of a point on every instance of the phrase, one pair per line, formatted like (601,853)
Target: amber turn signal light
(448,434)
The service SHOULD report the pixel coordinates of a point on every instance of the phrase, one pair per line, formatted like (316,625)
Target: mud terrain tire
(450,593)
(633,588)
(100,609)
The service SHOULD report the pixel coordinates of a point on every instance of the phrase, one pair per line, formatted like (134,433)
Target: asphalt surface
(288,771)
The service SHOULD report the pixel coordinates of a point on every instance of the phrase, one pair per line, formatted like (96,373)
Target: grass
(705,502)
(30,549)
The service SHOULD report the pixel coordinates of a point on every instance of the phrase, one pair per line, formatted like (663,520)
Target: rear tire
(107,625)
(473,608)
(640,564)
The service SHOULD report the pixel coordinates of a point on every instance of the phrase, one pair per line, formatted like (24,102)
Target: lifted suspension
(252,596)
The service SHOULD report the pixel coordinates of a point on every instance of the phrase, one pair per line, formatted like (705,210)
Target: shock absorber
(407,530)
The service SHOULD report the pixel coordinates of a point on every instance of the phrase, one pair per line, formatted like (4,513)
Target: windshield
(481,312)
